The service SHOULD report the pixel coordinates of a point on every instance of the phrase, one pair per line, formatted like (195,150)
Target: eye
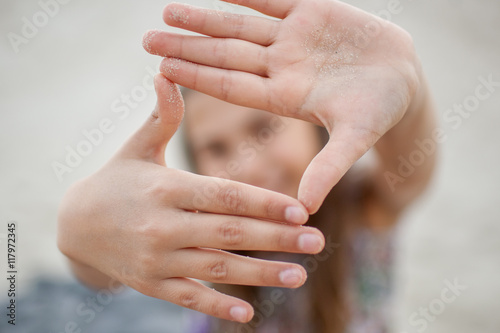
(217,149)
(258,124)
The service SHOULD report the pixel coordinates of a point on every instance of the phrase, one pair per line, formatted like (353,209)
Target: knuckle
(271,208)
(189,299)
(221,50)
(196,78)
(148,266)
(273,33)
(217,271)
(266,275)
(144,286)
(150,255)
(230,197)
(281,240)
(263,56)
(157,190)
(151,236)
(214,308)
(239,25)
(225,86)
(231,233)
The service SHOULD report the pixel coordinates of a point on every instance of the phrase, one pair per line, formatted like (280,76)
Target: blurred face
(248,145)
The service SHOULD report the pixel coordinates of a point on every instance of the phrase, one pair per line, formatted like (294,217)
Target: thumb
(150,141)
(328,167)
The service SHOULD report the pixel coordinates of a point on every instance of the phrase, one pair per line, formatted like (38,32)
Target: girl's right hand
(322,61)
(157,229)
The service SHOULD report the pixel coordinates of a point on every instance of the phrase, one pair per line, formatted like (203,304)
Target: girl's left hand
(324,61)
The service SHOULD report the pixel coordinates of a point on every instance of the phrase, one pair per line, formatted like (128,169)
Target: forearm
(405,164)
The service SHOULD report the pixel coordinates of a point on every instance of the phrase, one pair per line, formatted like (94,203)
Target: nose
(256,169)
(252,169)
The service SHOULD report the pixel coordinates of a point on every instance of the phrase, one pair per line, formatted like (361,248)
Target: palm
(325,62)
(332,76)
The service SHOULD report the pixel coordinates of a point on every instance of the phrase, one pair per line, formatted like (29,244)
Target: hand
(325,62)
(143,224)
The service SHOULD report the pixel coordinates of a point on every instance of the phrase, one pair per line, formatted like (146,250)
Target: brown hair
(326,283)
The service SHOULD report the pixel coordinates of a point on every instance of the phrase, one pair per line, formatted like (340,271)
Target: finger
(222,196)
(150,141)
(274,8)
(235,87)
(223,267)
(216,23)
(333,161)
(225,53)
(239,233)
(194,295)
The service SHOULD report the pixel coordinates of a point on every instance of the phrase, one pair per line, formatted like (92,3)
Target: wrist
(418,95)
(416,116)
(92,277)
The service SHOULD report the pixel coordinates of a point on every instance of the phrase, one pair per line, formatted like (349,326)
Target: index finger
(222,196)
(274,8)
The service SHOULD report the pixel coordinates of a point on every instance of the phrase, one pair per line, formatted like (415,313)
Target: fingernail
(291,277)
(310,243)
(239,313)
(295,214)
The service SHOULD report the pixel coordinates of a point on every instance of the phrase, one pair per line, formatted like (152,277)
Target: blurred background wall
(65,78)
